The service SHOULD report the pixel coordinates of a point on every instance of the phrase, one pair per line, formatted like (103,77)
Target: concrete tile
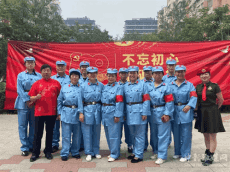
(161,169)
(175,164)
(131,169)
(30,170)
(219,169)
(199,164)
(105,164)
(194,169)
(94,170)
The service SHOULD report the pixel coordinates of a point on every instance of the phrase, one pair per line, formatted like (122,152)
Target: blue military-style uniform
(137,105)
(168,79)
(112,106)
(25,114)
(128,138)
(81,82)
(91,127)
(63,81)
(145,81)
(185,94)
(161,104)
(69,106)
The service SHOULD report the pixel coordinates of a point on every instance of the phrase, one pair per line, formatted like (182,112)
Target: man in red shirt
(44,93)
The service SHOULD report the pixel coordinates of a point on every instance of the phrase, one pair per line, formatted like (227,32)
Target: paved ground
(11,159)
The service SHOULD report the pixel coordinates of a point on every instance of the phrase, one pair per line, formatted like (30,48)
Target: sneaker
(176,156)
(64,158)
(111,159)
(183,159)
(88,158)
(159,161)
(108,156)
(98,156)
(25,153)
(205,158)
(154,156)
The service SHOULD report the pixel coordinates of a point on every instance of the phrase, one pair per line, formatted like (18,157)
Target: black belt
(133,103)
(104,104)
(156,106)
(180,104)
(91,103)
(27,90)
(71,106)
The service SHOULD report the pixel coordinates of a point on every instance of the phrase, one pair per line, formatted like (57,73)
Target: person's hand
(165,118)
(186,109)
(116,119)
(144,118)
(29,104)
(81,117)
(58,117)
(38,96)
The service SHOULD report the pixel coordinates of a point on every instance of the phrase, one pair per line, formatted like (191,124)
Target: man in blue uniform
(63,79)
(185,99)
(123,74)
(168,78)
(82,80)
(147,79)
(25,80)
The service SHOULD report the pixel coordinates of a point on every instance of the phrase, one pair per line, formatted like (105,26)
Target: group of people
(167,103)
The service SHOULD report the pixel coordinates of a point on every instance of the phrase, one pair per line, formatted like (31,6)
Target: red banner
(194,55)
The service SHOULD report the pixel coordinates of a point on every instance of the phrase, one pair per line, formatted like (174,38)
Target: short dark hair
(74,72)
(45,66)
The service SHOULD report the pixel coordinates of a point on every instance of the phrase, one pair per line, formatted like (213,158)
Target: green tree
(213,26)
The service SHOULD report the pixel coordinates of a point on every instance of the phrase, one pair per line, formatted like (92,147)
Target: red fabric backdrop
(194,55)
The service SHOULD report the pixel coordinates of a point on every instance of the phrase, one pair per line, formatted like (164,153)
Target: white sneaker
(88,158)
(176,156)
(98,156)
(111,159)
(183,159)
(108,156)
(159,161)
(154,156)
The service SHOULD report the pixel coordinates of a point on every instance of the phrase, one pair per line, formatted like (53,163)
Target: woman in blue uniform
(162,107)
(25,80)
(91,120)
(112,113)
(185,99)
(137,109)
(69,107)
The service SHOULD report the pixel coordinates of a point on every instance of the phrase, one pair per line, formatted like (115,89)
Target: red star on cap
(92,68)
(157,67)
(203,70)
(132,66)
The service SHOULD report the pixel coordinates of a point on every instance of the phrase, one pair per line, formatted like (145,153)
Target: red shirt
(49,90)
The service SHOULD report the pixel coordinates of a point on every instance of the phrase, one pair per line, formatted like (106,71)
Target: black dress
(208,115)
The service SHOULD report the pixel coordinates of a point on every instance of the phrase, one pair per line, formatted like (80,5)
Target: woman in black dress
(208,120)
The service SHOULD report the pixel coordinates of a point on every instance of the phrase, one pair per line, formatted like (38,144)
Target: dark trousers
(38,133)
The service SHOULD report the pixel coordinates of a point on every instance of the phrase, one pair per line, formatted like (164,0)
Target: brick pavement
(11,160)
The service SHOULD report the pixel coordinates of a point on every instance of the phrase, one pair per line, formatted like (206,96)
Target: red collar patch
(163,83)
(113,85)
(97,83)
(69,85)
(136,82)
(185,82)
(88,83)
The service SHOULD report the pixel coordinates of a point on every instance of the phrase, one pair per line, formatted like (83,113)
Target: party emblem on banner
(97,60)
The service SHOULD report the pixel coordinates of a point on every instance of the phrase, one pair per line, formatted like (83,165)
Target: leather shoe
(48,155)
(77,156)
(136,160)
(55,149)
(33,158)
(64,158)
(25,153)
(131,156)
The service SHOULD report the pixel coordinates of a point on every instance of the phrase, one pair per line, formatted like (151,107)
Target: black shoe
(48,155)
(131,156)
(206,155)
(81,149)
(33,158)
(130,150)
(64,158)
(209,160)
(25,153)
(136,160)
(55,149)
(77,156)
(31,150)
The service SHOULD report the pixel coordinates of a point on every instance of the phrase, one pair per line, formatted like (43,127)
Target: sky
(111,14)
